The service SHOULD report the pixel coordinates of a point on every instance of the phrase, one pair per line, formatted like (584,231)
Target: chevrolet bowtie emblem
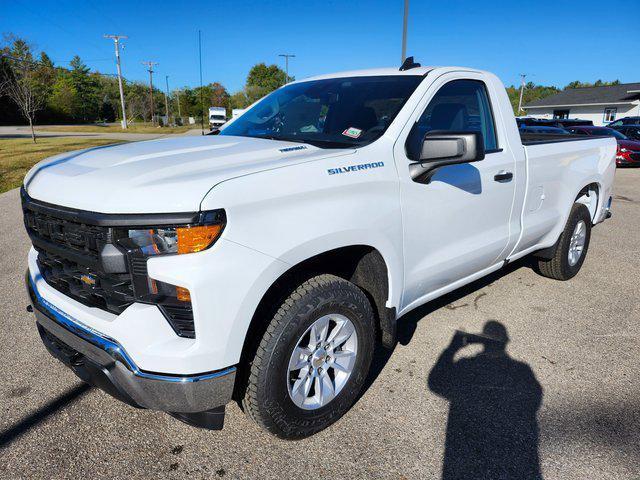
(88,280)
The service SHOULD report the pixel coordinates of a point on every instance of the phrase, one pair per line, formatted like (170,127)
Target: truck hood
(158,176)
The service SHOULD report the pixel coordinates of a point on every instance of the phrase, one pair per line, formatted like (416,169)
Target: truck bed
(542,138)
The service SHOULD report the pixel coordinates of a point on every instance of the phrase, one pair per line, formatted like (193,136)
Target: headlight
(142,243)
(175,239)
(160,241)
(624,150)
(188,239)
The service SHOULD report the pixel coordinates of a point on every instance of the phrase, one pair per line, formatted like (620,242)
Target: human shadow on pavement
(492,428)
(408,323)
(10,434)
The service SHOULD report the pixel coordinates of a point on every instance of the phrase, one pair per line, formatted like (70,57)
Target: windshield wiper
(320,143)
(329,144)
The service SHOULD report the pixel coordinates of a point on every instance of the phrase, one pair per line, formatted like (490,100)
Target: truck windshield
(217,117)
(331,113)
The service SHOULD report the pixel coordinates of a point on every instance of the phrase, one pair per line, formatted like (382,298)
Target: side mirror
(443,147)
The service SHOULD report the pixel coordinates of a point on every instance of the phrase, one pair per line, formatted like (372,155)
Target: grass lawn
(18,155)
(113,128)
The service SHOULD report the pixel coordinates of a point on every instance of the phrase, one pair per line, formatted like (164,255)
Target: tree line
(35,90)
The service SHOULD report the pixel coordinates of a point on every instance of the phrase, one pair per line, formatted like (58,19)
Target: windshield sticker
(352,132)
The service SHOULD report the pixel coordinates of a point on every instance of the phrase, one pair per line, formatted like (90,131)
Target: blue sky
(555,42)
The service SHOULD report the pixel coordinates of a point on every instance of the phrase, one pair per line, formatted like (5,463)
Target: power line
(116,40)
(150,66)
(48,20)
(84,60)
(55,67)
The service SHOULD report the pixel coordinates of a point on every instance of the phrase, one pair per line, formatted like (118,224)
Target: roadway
(579,339)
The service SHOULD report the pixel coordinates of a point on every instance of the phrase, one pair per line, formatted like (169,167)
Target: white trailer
(217,117)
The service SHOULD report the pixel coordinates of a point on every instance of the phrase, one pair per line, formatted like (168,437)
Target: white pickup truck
(263,264)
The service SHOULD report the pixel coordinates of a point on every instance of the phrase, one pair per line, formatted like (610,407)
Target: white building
(601,105)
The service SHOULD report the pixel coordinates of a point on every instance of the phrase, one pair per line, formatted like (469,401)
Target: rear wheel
(313,359)
(571,248)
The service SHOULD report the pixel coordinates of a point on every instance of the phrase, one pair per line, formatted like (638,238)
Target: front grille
(80,238)
(112,292)
(69,260)
(635,156)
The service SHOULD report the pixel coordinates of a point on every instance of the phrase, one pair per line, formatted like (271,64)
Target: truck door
(457,224)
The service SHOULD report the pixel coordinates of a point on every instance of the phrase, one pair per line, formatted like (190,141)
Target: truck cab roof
(387,71)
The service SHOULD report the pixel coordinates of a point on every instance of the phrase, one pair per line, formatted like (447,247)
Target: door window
(459,106)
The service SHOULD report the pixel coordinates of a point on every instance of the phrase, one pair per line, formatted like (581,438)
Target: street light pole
(404,31)
(522,76)
(116,41)
(166,99)
(286,65)
(201,101)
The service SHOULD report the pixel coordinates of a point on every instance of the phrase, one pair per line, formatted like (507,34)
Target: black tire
(559,267)
(266,398)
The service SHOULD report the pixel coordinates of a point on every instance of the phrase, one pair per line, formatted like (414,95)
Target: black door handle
(503,176)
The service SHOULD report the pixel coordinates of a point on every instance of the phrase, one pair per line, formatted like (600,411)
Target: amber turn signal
(183,294)
(196,239)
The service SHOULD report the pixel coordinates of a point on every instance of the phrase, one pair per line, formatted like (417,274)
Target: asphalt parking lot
(578,343)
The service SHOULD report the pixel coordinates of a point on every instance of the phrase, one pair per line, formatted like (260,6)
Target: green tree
(108,90)
(213,95)
(597,83)
(63,97)
(239,100)
(266,77)
(261,80)
(87,86)
(217,95)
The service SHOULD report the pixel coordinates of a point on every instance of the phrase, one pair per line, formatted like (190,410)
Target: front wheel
(313,359)
(571,248)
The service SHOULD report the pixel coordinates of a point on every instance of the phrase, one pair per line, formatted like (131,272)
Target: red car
(628,153)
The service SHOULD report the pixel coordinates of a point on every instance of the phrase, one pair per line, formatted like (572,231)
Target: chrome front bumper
(103,363)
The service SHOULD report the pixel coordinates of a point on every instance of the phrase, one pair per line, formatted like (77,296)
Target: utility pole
(150,66)
(522,77)
(201,101)
(404,31)
(286,65)
(116,41)
(178,100)
(166,99)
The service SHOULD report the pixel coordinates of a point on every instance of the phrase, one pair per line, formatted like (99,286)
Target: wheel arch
(362,265)
(589,195)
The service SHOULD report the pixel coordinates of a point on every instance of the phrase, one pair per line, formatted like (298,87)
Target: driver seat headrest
(449,116)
